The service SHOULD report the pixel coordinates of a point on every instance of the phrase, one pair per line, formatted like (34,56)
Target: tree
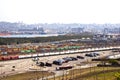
(113,62)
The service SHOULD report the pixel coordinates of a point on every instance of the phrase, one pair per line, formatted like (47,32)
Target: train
(15,57)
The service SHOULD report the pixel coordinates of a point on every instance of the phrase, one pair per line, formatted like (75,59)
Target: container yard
(12,52)
(67,62)
(52,56)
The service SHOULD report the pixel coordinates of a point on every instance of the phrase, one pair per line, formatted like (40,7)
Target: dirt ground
(23,65)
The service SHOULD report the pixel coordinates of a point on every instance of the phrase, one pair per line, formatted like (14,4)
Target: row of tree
(5,41)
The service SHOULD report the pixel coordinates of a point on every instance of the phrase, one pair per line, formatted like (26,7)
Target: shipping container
(14,57)
(6,58)
(33,51)
(21,56)
(0,58)
(27,51)
(4,53)
(28,56)
(22,51)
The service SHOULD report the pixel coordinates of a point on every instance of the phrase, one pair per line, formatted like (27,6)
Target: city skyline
(60,11)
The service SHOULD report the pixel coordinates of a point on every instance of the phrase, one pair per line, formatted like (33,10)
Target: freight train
(15,57)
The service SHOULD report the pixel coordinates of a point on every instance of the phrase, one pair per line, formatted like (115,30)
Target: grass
(99,75)
(105,76)
(95,73)
(28,76)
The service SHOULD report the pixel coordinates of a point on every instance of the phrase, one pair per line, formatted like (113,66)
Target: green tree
(113,62)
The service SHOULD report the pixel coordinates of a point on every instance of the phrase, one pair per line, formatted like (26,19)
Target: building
(76,30)
(111,31)
(32,31)
(106,36)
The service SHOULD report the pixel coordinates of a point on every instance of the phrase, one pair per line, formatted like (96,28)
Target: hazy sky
(60,11)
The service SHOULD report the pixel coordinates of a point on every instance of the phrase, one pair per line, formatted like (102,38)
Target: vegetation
(4,41)
(106,76)
(113,62)
(95,73)
(28,76)
(117,75)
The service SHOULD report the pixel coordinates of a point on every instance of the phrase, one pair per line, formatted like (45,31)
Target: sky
(60,11)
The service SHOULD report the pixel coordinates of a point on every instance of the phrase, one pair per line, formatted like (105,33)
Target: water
(29,36)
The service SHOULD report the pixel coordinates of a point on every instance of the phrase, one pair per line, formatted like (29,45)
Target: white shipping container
(21,56)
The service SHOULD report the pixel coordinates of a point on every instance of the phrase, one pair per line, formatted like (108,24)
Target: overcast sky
(60,11)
